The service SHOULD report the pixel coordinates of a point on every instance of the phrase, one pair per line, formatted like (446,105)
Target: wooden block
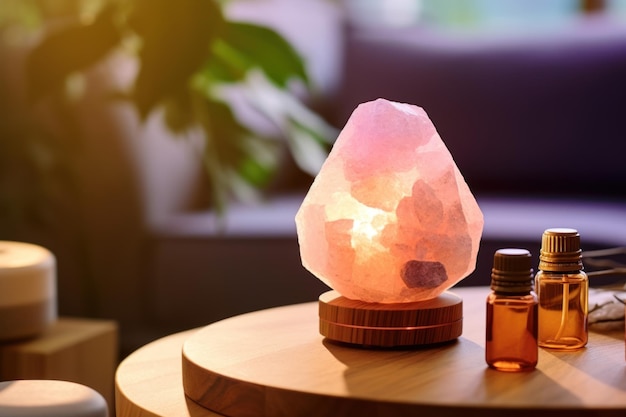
(79,350)
(391,325)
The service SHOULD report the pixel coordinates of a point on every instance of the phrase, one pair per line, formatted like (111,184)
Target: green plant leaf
(224,146)
(179,114)
(68,50)
(248,46)
(254,172)
(175,42)
(308,136)
(224,132)
(228,64)
(308,147)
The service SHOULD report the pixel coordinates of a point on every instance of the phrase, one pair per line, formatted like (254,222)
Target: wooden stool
(50,398)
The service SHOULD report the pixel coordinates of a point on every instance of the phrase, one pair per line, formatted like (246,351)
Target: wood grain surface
(390,325)
(148,382)
(275,363)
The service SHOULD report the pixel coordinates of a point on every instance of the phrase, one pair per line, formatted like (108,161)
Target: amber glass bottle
(511,336)
(563,290)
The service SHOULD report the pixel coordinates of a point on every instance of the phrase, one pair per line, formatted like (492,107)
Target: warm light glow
(368,222)
(366,229)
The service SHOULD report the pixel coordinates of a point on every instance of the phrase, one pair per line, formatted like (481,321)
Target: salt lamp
(389,222)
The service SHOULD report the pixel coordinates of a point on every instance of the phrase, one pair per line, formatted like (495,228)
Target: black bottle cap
(512,271)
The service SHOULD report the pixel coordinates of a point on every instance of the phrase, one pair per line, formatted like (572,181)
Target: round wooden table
(275,363)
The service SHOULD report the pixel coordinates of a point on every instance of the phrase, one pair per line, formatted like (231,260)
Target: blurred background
(161,149)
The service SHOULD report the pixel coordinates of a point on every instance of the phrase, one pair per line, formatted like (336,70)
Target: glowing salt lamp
(390,225)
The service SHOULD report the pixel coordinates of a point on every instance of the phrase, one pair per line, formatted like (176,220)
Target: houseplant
(190,56)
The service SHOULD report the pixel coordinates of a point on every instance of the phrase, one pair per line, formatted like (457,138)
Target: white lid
(27,273)
(50,398)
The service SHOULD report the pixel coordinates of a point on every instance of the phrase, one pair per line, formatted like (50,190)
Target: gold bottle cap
(512,271)
(560,250)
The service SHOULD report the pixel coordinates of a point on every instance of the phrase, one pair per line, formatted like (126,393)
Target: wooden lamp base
(390,325)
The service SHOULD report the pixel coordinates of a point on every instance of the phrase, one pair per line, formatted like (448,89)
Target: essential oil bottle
(511,332)
(563,289)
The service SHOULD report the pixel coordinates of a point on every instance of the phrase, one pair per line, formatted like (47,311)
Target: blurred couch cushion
(521,112)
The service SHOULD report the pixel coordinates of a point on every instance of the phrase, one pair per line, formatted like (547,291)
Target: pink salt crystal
(389,218)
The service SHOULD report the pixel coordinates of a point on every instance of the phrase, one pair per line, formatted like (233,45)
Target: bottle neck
(562,268)
(555,262)
(511,294)
(503,286)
